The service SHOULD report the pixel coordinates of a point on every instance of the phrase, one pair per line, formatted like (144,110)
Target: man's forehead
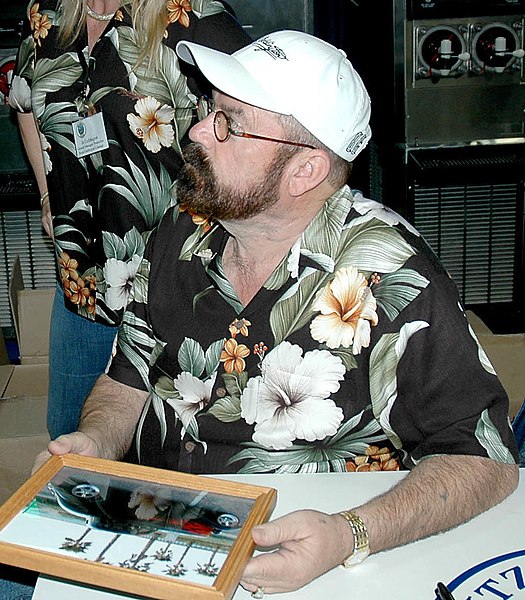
(233,106)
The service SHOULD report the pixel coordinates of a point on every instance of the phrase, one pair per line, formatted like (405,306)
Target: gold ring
(259,593)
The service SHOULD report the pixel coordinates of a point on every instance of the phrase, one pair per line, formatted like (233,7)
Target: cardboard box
(23,414)
(507,355)
(23,387)
(31,310)
(23,430)
(17,456)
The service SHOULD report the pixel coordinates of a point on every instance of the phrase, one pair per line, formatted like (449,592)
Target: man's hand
(75,443)
(305,545)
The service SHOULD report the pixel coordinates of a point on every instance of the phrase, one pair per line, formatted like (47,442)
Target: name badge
(90,135)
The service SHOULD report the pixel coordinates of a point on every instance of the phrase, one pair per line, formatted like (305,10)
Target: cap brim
(227,75)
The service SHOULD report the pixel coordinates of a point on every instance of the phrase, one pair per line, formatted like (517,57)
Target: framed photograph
(155,533)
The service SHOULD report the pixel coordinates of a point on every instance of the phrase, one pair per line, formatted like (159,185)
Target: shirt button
(189,446)
(221,392)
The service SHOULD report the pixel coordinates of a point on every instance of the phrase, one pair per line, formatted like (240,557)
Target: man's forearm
(454,489)
(110,415)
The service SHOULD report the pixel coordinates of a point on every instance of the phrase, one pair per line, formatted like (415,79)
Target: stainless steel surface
(459,88)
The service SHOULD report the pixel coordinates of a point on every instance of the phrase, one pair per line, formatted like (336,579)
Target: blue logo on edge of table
(501,577)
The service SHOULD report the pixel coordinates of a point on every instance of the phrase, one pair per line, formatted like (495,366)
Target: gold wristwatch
(361,541)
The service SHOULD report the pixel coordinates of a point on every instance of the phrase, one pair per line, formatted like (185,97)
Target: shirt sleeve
(449,398)
(20,88)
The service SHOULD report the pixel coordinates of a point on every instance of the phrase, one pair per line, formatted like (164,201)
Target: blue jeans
(16,584)
(79,351)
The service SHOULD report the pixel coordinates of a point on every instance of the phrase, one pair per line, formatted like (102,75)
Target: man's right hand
(74,443)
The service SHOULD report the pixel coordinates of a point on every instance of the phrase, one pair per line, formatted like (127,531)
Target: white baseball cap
(294,73)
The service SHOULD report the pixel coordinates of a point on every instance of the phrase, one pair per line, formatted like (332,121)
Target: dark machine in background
(448,89)
(16,182)
(20,227)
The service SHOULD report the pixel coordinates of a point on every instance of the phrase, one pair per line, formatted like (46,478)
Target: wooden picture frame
(177,521)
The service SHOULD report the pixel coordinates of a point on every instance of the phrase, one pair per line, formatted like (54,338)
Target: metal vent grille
(21,233)
(472,228)
(491,161)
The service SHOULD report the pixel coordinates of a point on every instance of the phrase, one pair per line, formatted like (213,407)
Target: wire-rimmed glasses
(222,127)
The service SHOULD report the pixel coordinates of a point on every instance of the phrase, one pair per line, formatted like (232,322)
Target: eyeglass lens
(221,126)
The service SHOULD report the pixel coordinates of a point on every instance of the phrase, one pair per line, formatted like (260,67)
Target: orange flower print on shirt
(77,290)
(34,16)
(375,459)
(178,12)
(40,24)
(239,326)
(199,220)
(68,266)
(233,356)
(347,308)
(79,293)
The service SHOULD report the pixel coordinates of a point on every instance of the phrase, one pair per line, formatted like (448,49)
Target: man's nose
(202,132)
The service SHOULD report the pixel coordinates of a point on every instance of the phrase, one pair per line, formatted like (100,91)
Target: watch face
(356,558)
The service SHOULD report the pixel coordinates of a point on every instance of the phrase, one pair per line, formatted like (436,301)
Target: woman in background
(104,106)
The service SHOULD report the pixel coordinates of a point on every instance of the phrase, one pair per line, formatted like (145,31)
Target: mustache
(195,156)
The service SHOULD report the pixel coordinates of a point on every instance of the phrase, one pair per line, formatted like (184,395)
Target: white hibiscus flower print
(152,124)
(195,395)
(348,308)
(119,276)
(291,399)
(20,94)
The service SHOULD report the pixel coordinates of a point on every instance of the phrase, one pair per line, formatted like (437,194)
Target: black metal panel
(260,17)
(16,179)
(469,205)
(431,9)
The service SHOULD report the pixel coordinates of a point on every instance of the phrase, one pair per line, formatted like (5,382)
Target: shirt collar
(315,248)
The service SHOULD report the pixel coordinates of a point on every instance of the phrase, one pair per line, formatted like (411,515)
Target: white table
(407,573)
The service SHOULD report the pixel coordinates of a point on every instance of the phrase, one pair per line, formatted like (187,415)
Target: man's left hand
(305,544)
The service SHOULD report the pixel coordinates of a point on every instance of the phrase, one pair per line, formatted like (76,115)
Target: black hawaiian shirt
(355,355)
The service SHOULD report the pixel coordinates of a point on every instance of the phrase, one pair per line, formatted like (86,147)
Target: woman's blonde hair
(149,17)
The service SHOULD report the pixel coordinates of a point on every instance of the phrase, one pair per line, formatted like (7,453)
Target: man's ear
(307,171)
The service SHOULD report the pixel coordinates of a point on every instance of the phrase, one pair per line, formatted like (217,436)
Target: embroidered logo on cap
(356,142)
(266,45)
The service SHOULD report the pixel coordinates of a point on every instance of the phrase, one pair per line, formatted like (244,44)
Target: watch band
(361,541)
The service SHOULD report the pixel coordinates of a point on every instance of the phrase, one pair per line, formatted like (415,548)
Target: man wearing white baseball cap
(281,323)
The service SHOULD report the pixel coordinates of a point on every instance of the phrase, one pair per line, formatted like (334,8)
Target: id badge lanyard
(89,131)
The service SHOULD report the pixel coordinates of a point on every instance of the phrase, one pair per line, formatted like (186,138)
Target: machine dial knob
(441,51)
(495,47)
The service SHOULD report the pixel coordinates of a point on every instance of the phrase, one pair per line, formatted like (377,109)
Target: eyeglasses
(222,125)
